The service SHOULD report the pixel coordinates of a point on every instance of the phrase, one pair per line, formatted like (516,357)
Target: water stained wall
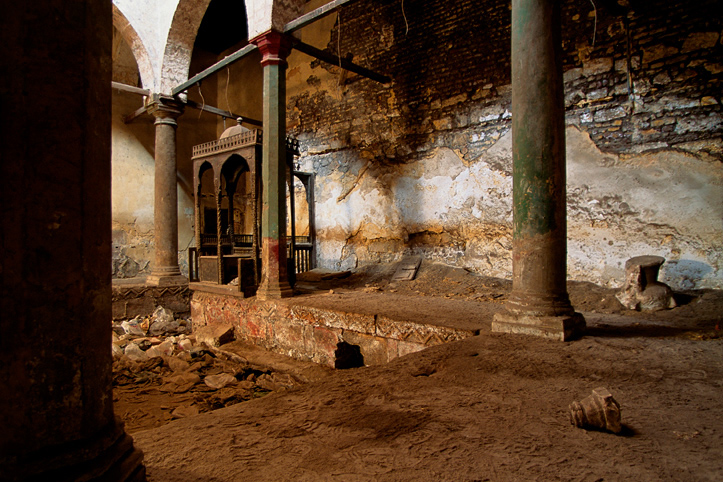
(424,164)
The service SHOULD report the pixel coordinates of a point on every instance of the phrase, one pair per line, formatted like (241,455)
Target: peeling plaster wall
(132,194)
(423,165)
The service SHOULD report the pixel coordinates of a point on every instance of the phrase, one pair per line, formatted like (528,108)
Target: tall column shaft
(165,209)
(274,277)
(56,403)
(539,303)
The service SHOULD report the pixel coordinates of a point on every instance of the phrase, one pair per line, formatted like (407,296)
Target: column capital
(274,47)
(164,108)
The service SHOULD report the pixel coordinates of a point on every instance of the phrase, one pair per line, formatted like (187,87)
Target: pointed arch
(179,45)
(129,34)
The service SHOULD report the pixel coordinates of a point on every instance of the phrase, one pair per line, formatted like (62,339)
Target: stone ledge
(313,333)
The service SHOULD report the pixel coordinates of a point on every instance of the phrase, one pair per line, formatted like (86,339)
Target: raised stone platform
(318,327)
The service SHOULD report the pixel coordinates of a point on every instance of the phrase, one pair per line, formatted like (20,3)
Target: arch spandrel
(140,53)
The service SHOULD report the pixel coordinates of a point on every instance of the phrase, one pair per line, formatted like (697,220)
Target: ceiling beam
(292,26)
(135,115)
(226,61)
(343,63)
(315,15)
(130,88)
(223,113)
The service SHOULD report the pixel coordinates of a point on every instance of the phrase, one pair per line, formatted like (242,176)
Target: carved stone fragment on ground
(599,410)
(642,290)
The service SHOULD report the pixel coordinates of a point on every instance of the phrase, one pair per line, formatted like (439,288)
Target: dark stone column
(165,271)
(56,402)
(274,48)
(539,303)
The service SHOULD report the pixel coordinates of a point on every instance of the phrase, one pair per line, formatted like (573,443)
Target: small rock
(184,411)
(215,335)
(117,351)
(184,378)
(246,385)
(162,322)
(177,365)
(185,345)
(132,327)
(134,352)
(219,381)
(266,382)
(185,356)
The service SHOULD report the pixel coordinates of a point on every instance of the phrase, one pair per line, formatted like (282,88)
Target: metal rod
(228,60)
(130,88)
(131,117)
(334,60)
(315,15)
(223,113)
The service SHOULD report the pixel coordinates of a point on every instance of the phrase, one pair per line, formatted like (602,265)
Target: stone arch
(179,45)
(129,34)
(264,15)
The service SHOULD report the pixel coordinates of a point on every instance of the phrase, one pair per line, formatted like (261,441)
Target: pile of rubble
(159,355)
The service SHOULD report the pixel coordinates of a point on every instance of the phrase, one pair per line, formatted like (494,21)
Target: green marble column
(539,303)
(274,48)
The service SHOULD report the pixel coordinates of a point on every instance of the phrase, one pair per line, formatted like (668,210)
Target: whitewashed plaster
(666,203)
(151,21)
(162,33)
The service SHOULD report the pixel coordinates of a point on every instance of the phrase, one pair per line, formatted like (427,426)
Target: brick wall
(450,65)
(451,72)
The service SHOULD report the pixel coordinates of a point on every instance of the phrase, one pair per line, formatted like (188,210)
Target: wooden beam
(292,26)
(130,88)
(315,15)
(131,117)
(334,60)
(226,61)
(223,113)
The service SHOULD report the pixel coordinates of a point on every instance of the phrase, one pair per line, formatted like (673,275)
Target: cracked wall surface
(423,165)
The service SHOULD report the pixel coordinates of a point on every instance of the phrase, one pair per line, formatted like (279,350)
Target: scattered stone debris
(598,411)
(185,372)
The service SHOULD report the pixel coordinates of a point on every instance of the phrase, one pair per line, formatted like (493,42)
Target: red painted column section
(274,48)
(56,402)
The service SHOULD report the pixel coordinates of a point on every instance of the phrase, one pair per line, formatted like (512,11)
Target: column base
(274,291)
(108,457)
(166,279)
(562,327)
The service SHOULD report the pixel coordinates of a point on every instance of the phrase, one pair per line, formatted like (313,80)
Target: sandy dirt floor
(491,407)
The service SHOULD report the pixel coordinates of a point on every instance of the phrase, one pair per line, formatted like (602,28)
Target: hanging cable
(594,28)
(405,19)
(338,49)
(228,79)
(203,101)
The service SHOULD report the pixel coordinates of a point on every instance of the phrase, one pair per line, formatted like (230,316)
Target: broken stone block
(642,290)
(219,381)
(215,335)
(599,410)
